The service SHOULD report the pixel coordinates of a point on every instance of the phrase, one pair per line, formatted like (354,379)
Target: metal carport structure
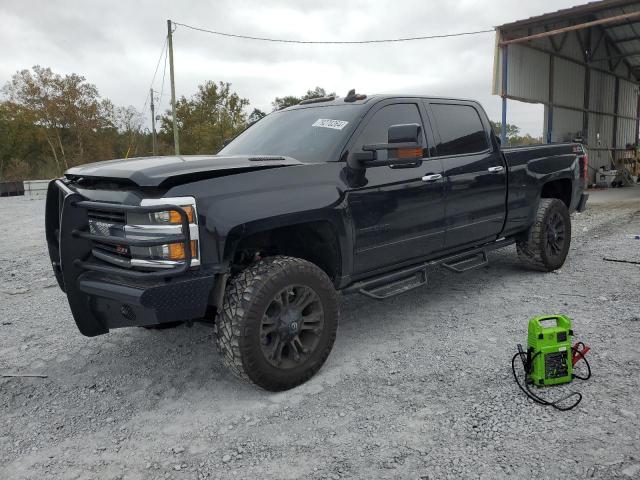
(583,64)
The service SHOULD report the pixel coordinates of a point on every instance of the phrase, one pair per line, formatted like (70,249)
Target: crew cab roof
(375,98)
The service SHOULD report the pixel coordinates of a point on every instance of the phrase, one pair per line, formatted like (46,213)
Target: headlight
(158,224)
(172,216)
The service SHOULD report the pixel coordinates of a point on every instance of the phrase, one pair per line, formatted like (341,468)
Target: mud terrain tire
(278,322)
(546,245)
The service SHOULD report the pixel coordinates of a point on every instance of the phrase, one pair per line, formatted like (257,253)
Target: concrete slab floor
(614,195)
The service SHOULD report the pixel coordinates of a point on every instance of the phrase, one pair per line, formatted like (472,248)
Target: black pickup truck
(363,194)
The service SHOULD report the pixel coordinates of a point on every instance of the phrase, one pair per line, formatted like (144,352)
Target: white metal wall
(600,133)
(527,74)
(602,92)
(626,130)
(599,158)
(567,124)
(568,84)
(627,98)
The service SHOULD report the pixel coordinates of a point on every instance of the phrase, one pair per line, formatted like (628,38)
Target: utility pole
(176,140)
(153,124)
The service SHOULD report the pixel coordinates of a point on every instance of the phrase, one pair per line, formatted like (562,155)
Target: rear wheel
(278,322)
(547,243)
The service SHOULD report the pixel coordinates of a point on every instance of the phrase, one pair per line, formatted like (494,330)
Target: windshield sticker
(328,123)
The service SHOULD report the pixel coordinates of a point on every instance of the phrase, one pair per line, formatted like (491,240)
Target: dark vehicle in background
(361,194)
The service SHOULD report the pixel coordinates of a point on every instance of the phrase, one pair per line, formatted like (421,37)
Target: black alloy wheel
(291,326)
(555,234)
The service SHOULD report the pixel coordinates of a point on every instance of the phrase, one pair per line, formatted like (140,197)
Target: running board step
(392,284)
(408,278)
(464,263)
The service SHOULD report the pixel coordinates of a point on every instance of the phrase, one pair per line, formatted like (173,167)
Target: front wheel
(547,242)
(278,322)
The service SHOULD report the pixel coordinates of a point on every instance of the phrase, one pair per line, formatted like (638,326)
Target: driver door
(397,215)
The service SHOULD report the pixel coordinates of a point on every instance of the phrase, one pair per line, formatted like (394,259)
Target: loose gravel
(419,386)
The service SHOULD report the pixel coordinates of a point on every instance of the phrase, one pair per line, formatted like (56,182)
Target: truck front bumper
(110,302)
(103,296)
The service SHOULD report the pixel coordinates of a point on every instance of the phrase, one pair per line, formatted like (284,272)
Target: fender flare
(231,219)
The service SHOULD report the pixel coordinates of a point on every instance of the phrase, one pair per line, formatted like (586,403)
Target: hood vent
(266,159)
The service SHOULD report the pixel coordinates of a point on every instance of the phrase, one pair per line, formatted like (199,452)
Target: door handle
(431,178)
(497,169)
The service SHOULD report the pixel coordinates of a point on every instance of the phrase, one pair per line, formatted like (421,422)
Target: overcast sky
(116,45)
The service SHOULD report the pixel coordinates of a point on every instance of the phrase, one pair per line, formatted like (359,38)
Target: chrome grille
(97,227)
(108,217)
(106,224)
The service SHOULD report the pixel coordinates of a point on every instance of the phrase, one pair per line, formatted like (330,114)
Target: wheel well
(560,189)
(316,242)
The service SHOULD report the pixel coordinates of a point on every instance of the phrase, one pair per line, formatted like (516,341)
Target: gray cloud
(116,46)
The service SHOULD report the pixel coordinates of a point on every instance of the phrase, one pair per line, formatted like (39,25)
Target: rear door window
(460,128)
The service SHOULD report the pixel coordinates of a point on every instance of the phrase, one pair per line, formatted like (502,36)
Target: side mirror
(408,133)
(404,144)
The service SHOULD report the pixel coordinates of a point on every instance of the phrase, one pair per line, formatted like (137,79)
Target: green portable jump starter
(549,341)
(550,358)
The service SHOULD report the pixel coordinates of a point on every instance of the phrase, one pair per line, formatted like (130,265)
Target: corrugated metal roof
(592,67)
(624,36)
(571,12)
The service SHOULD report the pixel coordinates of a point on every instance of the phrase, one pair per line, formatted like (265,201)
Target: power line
(164,73)
(172,26)
(331,42)
(162,53)
(133,138)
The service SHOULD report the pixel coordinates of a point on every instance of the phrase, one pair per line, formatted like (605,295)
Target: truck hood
(161,171)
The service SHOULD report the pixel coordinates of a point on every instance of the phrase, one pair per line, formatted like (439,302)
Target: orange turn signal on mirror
(174,216)
(409,153)
(176,250)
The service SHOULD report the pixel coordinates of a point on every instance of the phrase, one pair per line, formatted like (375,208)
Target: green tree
(283,102)
(205,120)
(255,115)
(125,133)
(71,118)
(23,151)
(514,138)
(50,122)
(512,130)
(525,139)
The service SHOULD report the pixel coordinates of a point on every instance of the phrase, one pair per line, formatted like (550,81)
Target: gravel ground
(419,386)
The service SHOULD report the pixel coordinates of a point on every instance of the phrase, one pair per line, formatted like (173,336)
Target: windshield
(306,134)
